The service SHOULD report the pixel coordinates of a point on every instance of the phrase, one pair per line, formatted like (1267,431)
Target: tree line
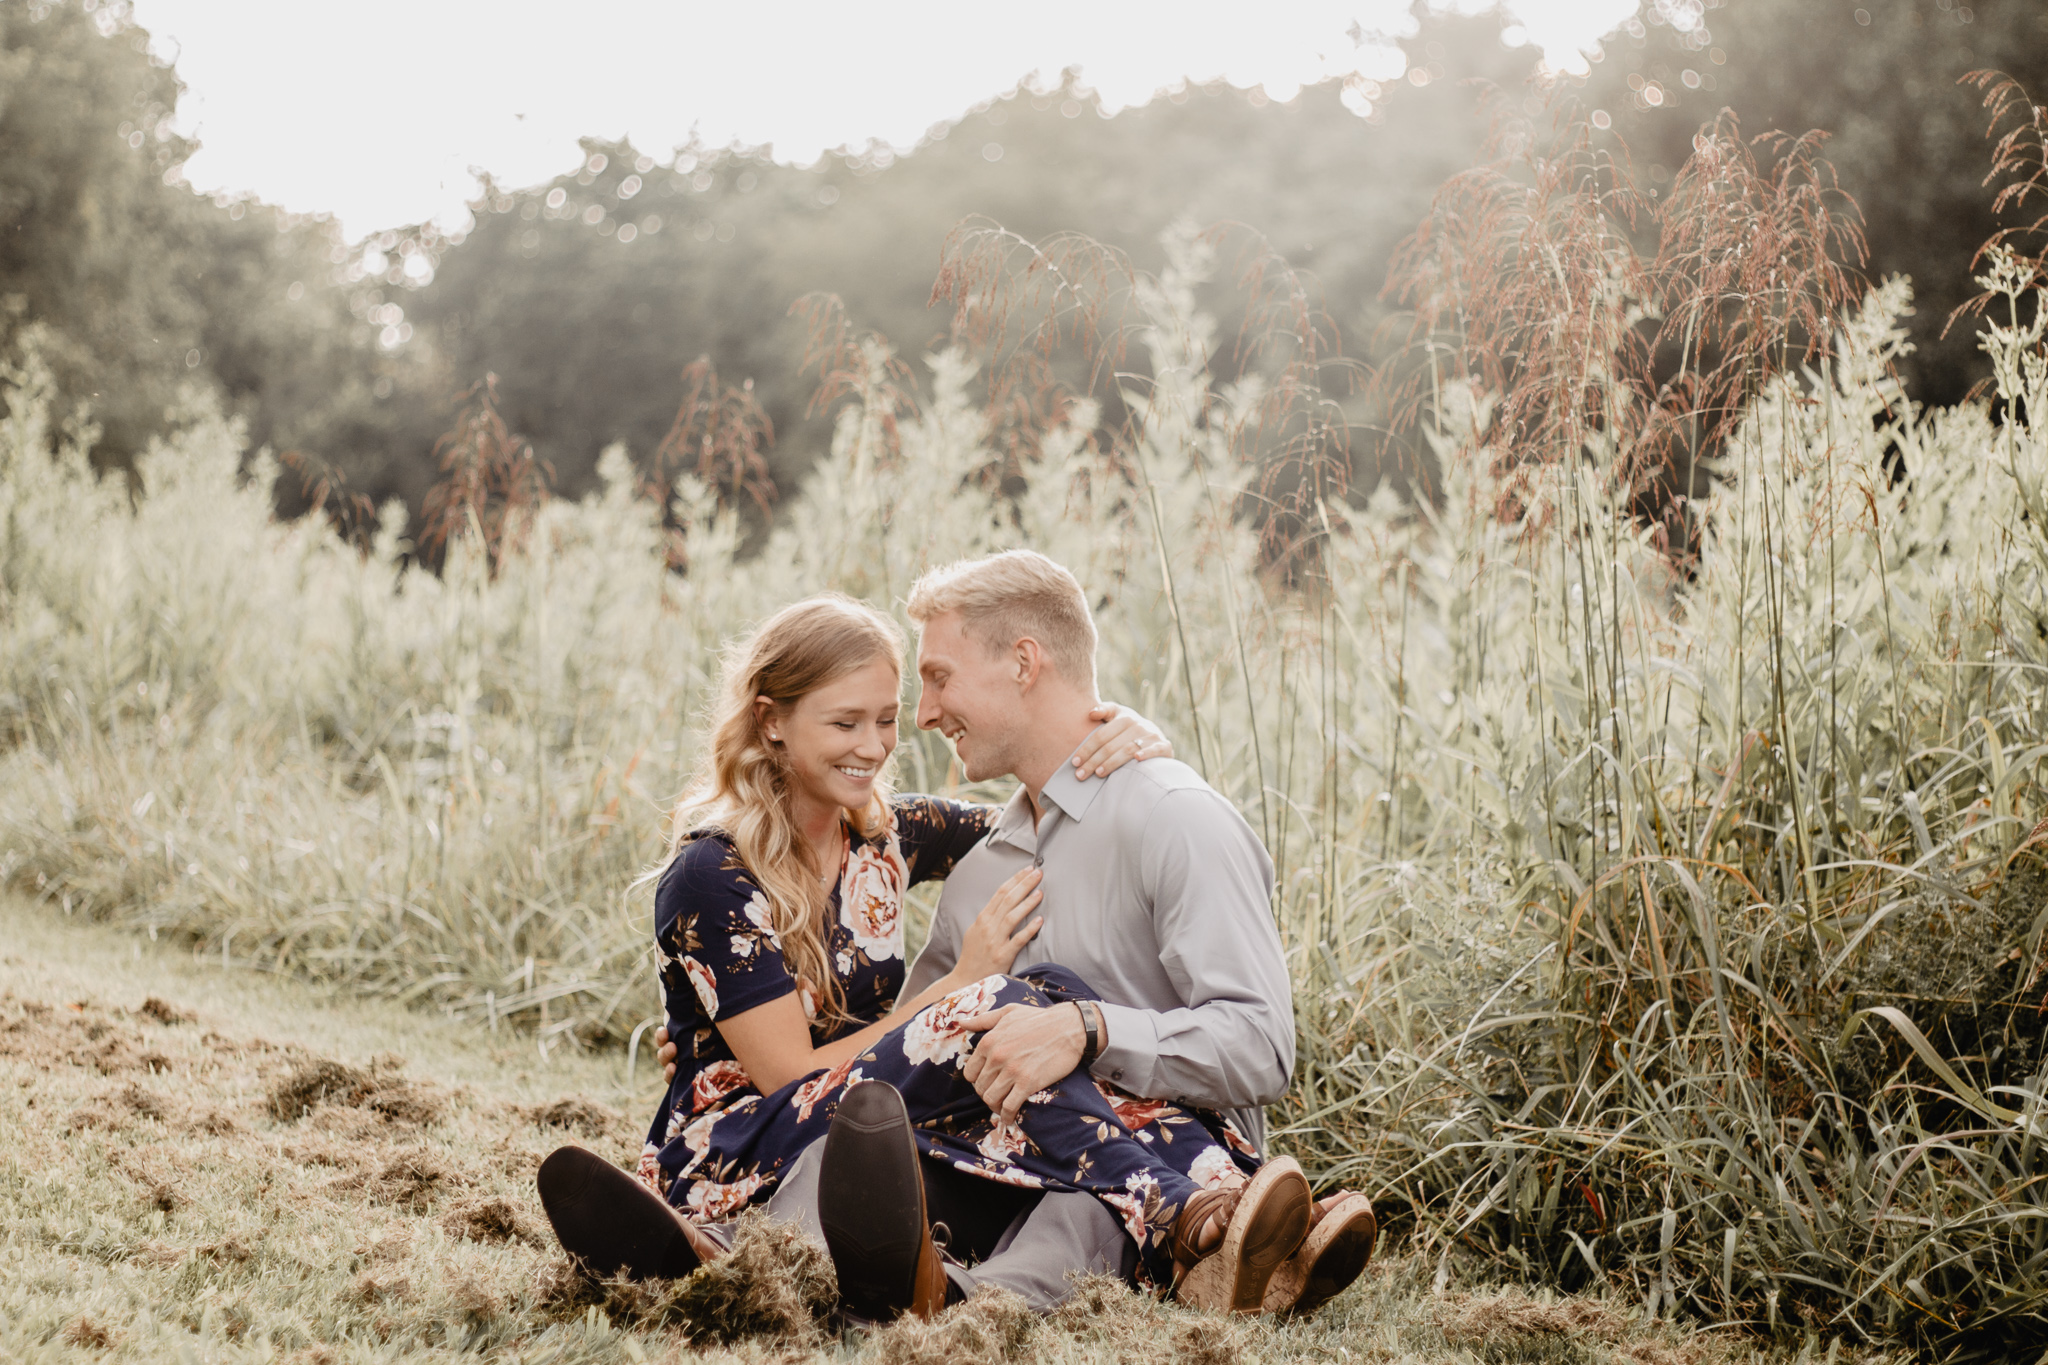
(589,296)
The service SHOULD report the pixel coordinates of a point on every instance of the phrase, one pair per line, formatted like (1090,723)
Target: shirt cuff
(1133,1048)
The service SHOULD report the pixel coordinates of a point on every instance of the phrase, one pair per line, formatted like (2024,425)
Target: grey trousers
(1065,1235)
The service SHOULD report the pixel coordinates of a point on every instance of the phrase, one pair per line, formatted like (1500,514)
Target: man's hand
(665,1053)
(1023,1050)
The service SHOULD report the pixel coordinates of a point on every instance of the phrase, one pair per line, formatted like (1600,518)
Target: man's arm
(1210,885)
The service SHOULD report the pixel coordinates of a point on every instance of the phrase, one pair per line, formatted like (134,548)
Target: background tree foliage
(588,296)
(142,286)
(1883,78)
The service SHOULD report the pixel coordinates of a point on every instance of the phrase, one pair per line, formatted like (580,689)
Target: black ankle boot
(871,1207)
(611,1224)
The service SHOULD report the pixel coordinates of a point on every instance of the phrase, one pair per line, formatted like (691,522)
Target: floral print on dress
(1214,1170)
(809,1093)
(871,900)
(711,1202)
(714,1083)
(939,1033)
(704,983)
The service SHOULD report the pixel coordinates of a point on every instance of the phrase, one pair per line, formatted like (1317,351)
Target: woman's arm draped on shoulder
(1121,736)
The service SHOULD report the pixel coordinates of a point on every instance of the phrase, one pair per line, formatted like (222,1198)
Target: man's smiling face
(969,694)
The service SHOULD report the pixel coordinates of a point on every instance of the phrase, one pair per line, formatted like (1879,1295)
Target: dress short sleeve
(719,952)
(935,833)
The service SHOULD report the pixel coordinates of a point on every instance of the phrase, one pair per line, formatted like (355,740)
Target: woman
(779,933)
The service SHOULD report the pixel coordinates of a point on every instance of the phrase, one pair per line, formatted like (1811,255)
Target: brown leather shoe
(1341,1233)
(871,1208)
(1266,1227)
(611,1224)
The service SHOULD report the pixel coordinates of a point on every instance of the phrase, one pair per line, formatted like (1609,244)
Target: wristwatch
(1091,1026)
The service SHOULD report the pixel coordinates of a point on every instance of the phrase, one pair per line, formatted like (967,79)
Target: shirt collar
(1067,791)
(1063,791)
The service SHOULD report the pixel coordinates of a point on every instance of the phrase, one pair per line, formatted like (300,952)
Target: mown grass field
(158,1204)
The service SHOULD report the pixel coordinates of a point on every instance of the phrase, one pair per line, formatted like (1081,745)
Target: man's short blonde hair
(1004,598)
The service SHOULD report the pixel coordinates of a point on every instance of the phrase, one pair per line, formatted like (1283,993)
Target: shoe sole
(1334,1254)
(871,1205)
(610,1223)
(1269,1226)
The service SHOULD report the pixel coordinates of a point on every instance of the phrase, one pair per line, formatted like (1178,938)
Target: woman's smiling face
(837,737)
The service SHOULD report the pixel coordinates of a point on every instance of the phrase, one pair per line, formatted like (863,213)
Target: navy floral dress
(717,1144)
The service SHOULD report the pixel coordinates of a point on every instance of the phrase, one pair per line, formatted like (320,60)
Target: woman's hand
(772,1041)
(993,941)
(1123,737)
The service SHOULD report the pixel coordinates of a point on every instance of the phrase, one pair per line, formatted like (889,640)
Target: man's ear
(1029,661)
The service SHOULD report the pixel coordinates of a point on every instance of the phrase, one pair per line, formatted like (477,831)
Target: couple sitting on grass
(990,1118)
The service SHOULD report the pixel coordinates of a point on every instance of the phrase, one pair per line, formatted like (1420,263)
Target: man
(1156,893)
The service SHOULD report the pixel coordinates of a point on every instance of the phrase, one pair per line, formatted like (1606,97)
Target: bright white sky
(378,111)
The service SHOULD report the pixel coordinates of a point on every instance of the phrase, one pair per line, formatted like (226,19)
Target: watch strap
(1091,1027)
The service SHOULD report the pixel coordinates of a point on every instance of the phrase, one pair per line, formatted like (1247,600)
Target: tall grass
(1662,895)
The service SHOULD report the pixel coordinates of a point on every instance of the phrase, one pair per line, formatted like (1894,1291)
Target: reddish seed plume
(856,364)
(720,433)
(1589,306)
(326,490)
(2020,159)
(491,481)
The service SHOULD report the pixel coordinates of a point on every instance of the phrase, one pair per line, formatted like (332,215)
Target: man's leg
(980,1214)
(1067,1234)
(795,1200)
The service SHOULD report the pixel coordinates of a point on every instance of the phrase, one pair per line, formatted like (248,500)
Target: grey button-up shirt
(1158,895)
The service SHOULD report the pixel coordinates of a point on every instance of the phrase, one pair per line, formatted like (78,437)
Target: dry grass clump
(412,1180)
(776,1284)
(164,1012)
(492,1219)
(1104,1316)
(377,1090)
(1489,1319)
(575,1114)
(991,1327)
(85,1332)
(116,1109)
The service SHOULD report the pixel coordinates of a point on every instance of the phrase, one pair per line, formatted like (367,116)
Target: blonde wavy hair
(742,786)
